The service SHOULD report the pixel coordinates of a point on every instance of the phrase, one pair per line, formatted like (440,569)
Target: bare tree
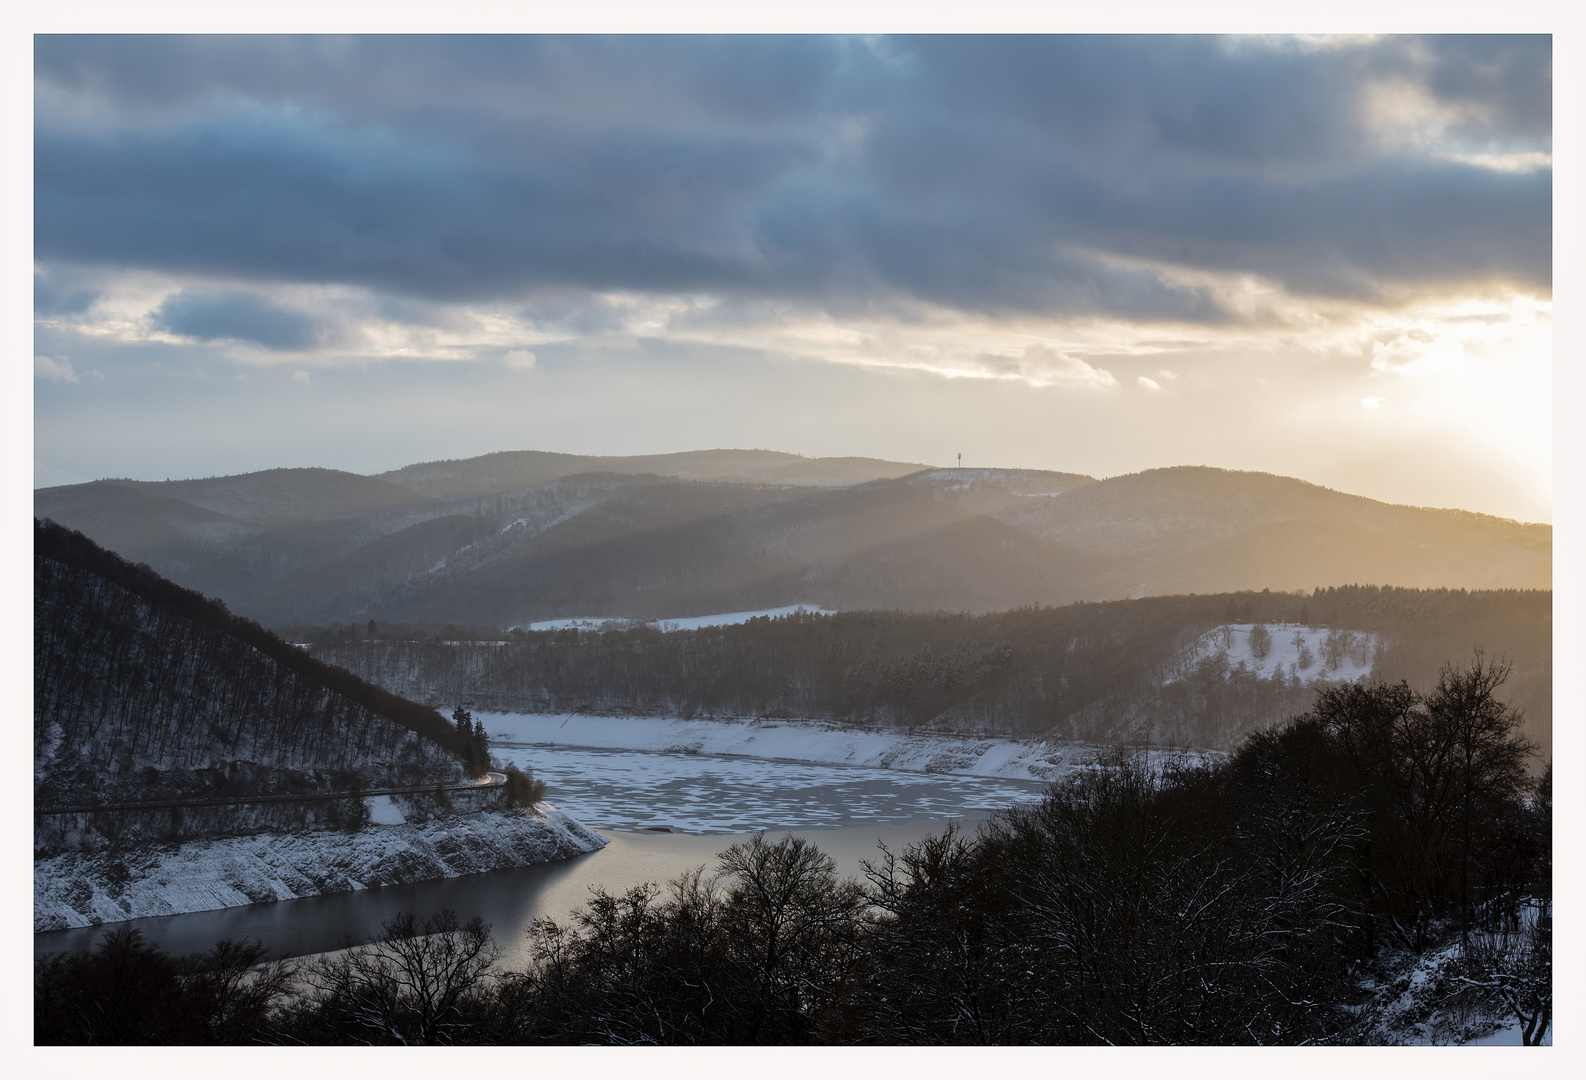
(240,990)
(792,924)
(1260,641)
(1489,754)
(412,985)
(1513,969)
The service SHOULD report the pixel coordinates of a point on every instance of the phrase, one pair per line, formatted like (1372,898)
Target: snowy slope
(728,618)
(1419,1000)
(734,618)
(796,740)
(1302,653)
(85,889)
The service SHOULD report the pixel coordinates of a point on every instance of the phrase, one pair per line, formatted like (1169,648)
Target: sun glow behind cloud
(1326,258)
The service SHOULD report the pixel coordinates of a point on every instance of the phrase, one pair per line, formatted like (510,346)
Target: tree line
(1240,902)
(1089,672)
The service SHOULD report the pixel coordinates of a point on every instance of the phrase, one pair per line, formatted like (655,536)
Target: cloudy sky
(1325,258)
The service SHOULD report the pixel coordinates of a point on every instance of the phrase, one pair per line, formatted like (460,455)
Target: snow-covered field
(1302,653)
(733,618)
(729,618)
(85,889)
(795,740)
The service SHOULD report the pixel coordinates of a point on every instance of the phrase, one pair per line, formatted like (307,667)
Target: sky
(1328,258)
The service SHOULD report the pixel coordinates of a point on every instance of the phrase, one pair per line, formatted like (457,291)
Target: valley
(641,668)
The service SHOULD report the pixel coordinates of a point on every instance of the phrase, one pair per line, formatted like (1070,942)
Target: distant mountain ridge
(510,538)
(514,470)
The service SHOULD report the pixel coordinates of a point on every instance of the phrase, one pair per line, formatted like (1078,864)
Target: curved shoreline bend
(82,888)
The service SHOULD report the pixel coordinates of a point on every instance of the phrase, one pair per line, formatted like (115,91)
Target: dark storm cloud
(754,79)
(989,174)
(274,198)
(1506,82)
(231,316)
(60,293)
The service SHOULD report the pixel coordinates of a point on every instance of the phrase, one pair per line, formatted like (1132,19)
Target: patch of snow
(730,618)
(1412,1001)
(383,811)
(733,618)
(597,622)
(1303,653)
(1508,1035)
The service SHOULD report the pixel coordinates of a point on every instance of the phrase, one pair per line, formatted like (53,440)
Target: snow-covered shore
(87,888)
(798,740)
(697,622)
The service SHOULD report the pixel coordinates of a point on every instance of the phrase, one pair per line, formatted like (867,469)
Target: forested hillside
(1166,670)
(515,538)
(144,690)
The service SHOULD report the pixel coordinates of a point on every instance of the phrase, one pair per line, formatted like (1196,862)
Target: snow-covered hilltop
(1303,654)
(730,618)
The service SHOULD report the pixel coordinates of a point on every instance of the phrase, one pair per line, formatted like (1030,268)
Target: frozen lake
(706,800)
(705,793)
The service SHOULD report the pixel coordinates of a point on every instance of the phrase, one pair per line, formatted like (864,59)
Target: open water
(706,802)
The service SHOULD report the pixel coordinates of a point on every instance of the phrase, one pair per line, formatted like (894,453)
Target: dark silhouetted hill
(146,690)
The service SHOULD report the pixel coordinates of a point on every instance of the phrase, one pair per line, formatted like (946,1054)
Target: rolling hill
(511,538)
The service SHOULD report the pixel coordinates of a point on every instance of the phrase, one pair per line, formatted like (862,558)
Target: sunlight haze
(1324,259)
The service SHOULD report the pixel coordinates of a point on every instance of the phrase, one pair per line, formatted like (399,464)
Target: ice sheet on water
(702,793)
